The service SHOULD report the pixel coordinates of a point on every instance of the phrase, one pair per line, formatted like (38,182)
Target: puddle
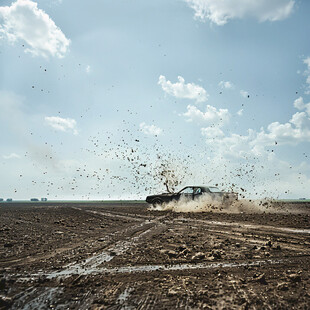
(122,299)
(89,266)
(265,227)
(160,267)
(295,230)
(44,300)
(96,270)
(150,268)
(123,296)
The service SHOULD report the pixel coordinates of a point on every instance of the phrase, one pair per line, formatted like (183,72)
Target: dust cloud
(206,203)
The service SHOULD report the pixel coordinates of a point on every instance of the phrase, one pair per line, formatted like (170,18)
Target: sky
(113,99)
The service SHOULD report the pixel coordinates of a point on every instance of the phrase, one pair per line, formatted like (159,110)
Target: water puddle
(122,299)
(159,267)
(295,230)
(264,227)
(89,266)
(43,300)
(151,268)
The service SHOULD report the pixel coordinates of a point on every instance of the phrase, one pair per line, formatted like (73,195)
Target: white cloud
(307,73)
(226,85)
(150,129)
(233,145)
(11,156)
(88,69)
(182,90)
(307,62)
(244,93)
(300,105)
(62,124)
(240,112)
(212,132)
(221,11)
(211,117)
(24,21)
(296,130)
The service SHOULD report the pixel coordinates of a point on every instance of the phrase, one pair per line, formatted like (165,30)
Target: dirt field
(123,256)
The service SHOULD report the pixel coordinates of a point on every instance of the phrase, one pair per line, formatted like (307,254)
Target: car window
(214,190)
(187,190)
(197,191)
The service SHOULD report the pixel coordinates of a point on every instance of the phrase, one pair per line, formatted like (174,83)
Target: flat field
(117,255)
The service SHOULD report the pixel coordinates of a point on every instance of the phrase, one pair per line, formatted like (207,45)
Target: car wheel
(157,201)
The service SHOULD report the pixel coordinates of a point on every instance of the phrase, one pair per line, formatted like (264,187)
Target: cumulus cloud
(150,129)
(307,62)
(220,12)
(11,156)
(226,85)
(182,90)
(295,131)
(234,145)
(212,132)
(212,116)
(254,143)
(23,21)
(62,124)
(300,105)
(244,94)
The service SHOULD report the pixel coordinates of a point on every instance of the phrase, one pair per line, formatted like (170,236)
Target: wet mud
(128,256)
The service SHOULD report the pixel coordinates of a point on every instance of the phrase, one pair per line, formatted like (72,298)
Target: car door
(197,192)
(187,193)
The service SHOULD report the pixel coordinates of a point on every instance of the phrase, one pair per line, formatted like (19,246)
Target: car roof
(205,186)
(202,186)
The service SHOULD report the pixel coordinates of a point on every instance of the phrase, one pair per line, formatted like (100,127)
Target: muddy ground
(124,256)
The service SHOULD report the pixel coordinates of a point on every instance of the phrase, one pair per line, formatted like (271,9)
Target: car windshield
(214,190)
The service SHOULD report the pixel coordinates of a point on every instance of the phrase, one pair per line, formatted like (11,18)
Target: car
(34,199)
(193,192)
(9,200)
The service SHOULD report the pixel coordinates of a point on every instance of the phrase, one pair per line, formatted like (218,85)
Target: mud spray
(206,204)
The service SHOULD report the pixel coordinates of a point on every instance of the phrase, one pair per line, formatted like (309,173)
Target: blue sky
(98,97)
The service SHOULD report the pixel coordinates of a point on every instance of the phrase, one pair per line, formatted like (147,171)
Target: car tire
(157,201)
